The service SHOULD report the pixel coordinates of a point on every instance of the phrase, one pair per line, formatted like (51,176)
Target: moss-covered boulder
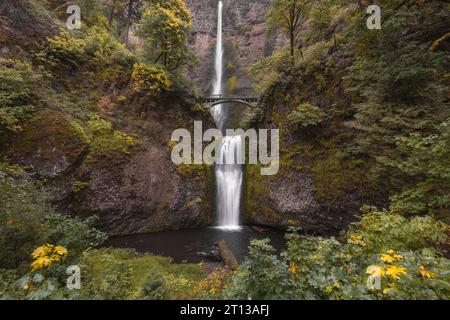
(48,144)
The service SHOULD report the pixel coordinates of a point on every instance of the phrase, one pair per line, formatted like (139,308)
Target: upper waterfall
(218,63)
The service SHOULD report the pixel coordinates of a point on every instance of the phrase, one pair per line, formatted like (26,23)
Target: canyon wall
(245,40)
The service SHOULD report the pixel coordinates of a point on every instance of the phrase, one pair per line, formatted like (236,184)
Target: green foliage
(113,281)
(63,51)
(261,276)
(398,85)
(155,287)
(383,230)
(74,234)
(106,50)
(23,208)
(27,221)
(265,72)
(403,250)
(145,277)
(319,19)
(104,139)
(17,82)
(289,16)
(335,176)
(305,115)
(426,161)
(164,28)
(92,13)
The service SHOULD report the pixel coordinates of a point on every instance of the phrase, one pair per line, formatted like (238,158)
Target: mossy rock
(49,144)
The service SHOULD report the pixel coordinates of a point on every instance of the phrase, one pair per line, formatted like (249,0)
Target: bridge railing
(230,97)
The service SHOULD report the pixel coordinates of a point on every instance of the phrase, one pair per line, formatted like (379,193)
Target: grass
(181,278)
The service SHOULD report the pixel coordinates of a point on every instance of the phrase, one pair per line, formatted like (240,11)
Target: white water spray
(228,175)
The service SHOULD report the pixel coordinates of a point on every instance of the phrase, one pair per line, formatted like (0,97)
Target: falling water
(228,174)
(219,52)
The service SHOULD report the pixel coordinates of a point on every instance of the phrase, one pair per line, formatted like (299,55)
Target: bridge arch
(247,100)
(215,103)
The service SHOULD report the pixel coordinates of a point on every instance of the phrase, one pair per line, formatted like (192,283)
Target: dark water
(188,245)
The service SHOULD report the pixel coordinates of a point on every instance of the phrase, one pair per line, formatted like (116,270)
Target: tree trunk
(227,256)
(128,26)
(292,44)
(111,17)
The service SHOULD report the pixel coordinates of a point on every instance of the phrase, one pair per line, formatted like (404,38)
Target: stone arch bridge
(216,99)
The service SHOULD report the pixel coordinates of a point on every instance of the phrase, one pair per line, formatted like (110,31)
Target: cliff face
(138,191)
(291,196)
(244,36)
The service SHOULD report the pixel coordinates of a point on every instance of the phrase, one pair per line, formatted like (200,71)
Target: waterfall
(229,174)
(218,63)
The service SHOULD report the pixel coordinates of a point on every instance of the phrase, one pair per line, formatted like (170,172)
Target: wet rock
(211,255)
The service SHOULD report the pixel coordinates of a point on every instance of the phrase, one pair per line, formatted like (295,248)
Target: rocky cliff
(139,190)
(289,197)
(244,35)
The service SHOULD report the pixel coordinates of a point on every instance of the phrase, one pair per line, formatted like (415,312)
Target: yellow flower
(386,258)
(60,250)
(293,268)
(356,239)
(41,263)
(426,274)
(395,271)
(42,251)
(398,257)
(390,251)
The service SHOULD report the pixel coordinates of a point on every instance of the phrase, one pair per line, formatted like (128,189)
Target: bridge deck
(222,97)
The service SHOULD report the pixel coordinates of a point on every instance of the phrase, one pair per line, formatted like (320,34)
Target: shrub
(113,283)
(23,207)
(103,138)
(16,93)
(154,287)
(27,221)
(106,50)
(424,160)
(401,252)
(151,80)
(305,116)
(147,277)
(46,255)
(63,50)
(261,276)
(75,234)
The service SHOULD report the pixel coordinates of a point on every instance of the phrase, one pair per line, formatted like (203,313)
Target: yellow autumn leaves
(47,255)
(390,256)
(293,268)
(392,270)
(151,79)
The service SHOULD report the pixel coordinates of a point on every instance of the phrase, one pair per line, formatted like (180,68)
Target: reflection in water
(185,245)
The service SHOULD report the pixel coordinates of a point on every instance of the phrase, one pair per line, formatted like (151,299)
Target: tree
(288,15)
(128,25)
(164,28)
